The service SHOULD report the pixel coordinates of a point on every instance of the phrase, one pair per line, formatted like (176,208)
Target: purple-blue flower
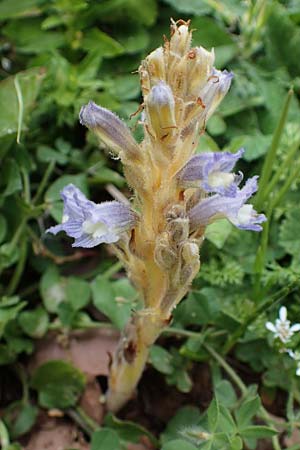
(211,171)
(234,209)
(91,224)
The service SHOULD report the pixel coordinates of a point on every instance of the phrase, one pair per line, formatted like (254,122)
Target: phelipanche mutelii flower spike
(91,224)
(175,195)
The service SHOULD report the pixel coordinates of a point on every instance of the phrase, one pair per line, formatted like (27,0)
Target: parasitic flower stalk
(176,194)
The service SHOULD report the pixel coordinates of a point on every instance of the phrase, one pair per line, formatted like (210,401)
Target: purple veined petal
(271,327)
(110,128)
(283,313)
(92,224)
(75,202)
(295,327)
(211,172)
(216,207)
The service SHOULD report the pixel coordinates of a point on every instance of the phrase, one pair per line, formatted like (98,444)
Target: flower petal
(232,208)
(110,128)
(283,313)
(271,327)
(210,171)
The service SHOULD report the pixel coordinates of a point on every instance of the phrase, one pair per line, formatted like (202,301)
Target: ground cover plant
(224,373)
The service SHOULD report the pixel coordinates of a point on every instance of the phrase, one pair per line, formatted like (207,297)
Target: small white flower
(296,357)
(282,328)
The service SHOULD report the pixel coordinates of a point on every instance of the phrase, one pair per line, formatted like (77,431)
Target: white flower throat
(220,179)
(97,229)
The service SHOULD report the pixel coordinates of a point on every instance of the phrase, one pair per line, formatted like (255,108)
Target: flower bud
(110,129)
(181,37)
(165,256)
(178,230)
(191,262)
(215,90)
(190,252)
(155,64)
(199,67)
(161,111)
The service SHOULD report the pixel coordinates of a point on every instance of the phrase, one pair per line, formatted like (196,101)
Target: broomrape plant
(176,194)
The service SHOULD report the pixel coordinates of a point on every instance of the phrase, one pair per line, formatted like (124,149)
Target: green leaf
(105,439)
(189,6)
(9,313)
(178,444)
(96,40)
(52,195)
(77,292)
(3,227)
(213,415)
(247,411)
(133,41)
(115,299)
(257,432)
(125,87)
(58,383)
(216,125)
(34,323)
(12,177)
(283,40)
(218,232)
(52,289)
(200,307)
(161,359)
(29,82)
(255,146)
(105,175)
(7,355)
(47,154)
(128,431)
(9,9)
(236,443)
(20,418)
(133,11)
(181,379)
(28,36)
(288,237)
(225,393)
(184,417)
(66,314)
(13,447)
(226,422)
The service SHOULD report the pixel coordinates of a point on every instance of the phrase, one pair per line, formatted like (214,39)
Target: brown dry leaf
(90,400)
(56,435)
(88,350)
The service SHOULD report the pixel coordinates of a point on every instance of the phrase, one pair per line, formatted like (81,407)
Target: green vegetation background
(56,56)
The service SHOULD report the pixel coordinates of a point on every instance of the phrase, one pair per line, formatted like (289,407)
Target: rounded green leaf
(34,323)
(178,444)
(105,439)
(59,384)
